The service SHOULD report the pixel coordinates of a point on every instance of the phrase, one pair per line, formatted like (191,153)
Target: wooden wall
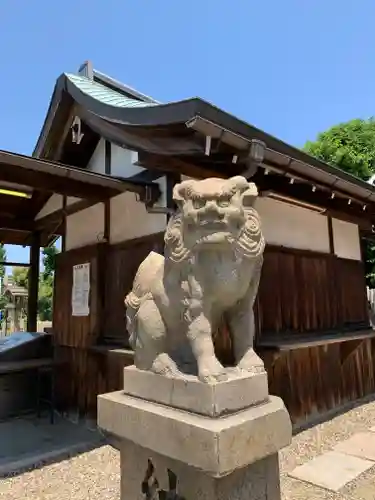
(84,371)
(300,292)
(81,373)
(303,291)
(122,264)
(316,380)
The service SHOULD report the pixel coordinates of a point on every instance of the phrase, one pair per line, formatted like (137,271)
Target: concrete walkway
(28,441)
(334,460)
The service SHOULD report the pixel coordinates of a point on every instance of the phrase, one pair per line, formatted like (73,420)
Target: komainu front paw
(251,362)
(164,365)
(211,370)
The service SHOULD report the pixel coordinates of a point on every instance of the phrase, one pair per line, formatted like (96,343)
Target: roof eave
(195,108)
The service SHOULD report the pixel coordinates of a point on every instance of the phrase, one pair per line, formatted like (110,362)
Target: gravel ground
(320,439)
(95,475)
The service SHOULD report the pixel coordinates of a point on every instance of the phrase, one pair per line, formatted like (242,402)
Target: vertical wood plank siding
(304,292)
(122,264)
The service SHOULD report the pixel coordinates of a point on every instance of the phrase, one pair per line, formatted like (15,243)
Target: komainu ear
(250,195)
(239,183)
(181,192)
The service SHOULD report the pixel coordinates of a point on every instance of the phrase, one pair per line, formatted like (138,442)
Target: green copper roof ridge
(105,94)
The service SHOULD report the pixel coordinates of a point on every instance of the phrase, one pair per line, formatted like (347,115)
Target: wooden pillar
(63,239)
(330,235)
(32,305)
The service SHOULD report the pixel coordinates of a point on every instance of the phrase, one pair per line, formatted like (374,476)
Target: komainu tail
(141,292)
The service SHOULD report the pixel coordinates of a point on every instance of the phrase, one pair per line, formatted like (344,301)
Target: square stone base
(216,446)
(240,391)
(148,475)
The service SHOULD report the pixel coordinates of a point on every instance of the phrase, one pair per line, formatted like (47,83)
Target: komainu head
(214,214)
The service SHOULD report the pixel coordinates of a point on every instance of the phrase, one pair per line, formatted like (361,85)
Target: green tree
(45,302)
(20,276)
(46,280)
(49,260)
(351,147)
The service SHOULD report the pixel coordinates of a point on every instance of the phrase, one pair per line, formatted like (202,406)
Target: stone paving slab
(361,445)
(362,488)
(331,470)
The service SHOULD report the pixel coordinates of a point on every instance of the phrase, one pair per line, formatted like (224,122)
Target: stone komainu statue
(211,270)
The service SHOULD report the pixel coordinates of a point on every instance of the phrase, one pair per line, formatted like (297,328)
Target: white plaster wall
(346,240)
(290,226)
(97,160)
(122,162)
(85,227)
(129,219)
(55,203)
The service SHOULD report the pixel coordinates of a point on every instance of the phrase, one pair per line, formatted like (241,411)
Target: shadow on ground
(29,442)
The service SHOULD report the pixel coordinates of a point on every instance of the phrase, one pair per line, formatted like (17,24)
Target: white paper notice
(81,290)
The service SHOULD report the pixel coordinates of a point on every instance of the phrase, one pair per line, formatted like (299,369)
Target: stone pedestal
(181,438)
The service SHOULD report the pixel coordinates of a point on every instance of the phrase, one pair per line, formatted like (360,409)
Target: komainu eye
(224,202)
(198,203)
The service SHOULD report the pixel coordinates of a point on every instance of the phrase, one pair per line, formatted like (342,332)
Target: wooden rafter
(303,191)
(55,184)
(58,215)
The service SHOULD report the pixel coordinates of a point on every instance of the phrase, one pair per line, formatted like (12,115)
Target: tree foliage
(20,276)
(351,147)
(45,301)
(49,260)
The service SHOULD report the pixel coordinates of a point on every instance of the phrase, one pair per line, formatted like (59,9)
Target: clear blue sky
(291,67)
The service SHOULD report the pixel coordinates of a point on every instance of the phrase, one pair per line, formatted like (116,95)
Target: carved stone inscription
(151,488)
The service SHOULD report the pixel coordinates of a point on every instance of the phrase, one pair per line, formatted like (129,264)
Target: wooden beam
(58,215)
(107,157)
(64,207)
(48,182)
(70,112)
(330,235)
(32,304)
(16,224)
(281,184)
(175,165)
(35,204)
(107,220)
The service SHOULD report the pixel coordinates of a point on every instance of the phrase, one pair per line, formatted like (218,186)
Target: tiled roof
(105,94)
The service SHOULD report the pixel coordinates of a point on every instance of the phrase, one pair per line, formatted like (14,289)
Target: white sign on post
(81,290)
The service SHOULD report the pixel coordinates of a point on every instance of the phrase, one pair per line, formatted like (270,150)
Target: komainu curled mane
(211,270)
